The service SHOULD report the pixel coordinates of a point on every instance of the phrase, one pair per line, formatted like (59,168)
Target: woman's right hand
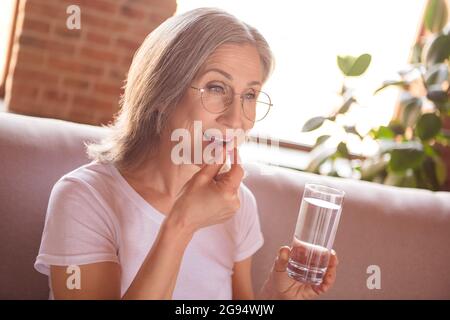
(208,198)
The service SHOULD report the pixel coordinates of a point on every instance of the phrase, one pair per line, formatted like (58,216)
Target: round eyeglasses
(217,98)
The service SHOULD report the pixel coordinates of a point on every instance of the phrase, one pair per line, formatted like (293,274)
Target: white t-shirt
(94,215)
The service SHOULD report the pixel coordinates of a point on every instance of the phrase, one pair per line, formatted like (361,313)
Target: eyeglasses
(217,98)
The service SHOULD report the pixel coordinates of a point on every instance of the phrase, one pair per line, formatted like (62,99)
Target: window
(306,37)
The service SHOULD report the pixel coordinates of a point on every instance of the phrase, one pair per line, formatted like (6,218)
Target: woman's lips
(213,138)
(227,144)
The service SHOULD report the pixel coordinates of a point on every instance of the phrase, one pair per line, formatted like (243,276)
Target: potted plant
(410,146)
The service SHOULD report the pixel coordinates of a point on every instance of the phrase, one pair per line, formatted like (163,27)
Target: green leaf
(416,55)
(434,171)
(429,173)
(389,83)
(313,124)
(396,127)
(421,179)
(403,159)
(436,15)
(354,66)
(393,179)
(389,146)
(352,129)
(437,50)
(372,167)
(321,140)
(406,180)
(429,150)
(345,63)
(436,74)
(343,90)
(441,170)
(383,133)
(361,64)
(428,126)
(409,181)
(346,105)
(437,95)
(319,158)
(444,107)
(342,150)
(443,138)
(411,110)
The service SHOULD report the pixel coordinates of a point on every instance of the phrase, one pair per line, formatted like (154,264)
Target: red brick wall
(77,75)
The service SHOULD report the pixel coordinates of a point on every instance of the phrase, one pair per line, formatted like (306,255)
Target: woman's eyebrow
(228,76)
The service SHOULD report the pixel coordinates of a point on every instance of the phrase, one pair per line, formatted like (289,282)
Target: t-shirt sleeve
(249,237)
(78,228)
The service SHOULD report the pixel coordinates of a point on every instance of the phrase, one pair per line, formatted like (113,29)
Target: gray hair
(161,71)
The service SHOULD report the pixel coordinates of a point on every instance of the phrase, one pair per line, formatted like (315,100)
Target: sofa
(403,233)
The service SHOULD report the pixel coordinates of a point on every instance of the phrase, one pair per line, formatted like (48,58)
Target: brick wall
(77,75)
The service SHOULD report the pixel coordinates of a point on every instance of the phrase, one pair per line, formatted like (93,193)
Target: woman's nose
(233,117)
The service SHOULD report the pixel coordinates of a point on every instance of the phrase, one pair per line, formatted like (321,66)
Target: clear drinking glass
(315,231)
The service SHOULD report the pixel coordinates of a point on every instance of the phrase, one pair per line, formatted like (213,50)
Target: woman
(134,223)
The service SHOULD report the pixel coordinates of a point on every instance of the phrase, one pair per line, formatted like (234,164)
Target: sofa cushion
(34,154)
(403,231)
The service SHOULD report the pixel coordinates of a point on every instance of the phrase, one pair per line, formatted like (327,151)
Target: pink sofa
(406,232)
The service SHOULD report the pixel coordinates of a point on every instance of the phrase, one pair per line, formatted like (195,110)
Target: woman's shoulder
(91,179)
(245,192)
(92,173)
(85,193)
(248,200)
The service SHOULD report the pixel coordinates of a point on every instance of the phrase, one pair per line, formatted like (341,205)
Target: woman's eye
(216,89)
(250,96)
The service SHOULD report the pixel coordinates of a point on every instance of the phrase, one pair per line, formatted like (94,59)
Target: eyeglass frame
(270,104)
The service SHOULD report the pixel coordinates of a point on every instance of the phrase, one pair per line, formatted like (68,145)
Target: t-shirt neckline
(135,196)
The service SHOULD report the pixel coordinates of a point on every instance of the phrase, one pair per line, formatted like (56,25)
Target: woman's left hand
(282,287)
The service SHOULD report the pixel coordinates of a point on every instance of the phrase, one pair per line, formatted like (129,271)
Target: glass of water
(315,231)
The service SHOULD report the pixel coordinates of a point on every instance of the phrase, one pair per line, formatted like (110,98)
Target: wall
(77,75)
